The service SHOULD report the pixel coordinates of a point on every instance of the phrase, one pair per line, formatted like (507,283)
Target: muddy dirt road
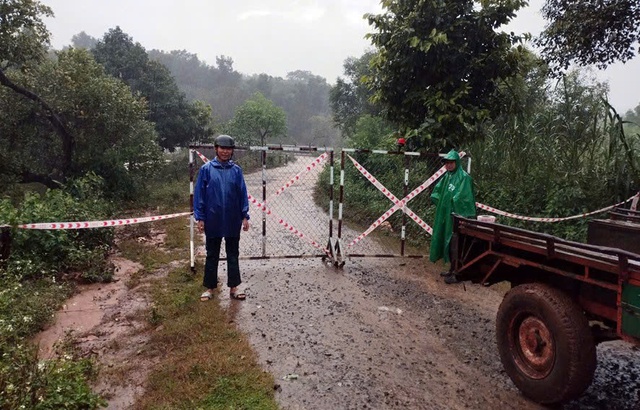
(377,334)
(388,334)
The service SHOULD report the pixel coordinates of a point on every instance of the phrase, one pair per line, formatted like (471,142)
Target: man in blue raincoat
(221,208)
(454,193)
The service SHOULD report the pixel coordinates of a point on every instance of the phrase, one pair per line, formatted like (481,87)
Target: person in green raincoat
(454,193)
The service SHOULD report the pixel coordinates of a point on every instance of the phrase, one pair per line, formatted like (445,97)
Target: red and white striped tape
(98,224)
(397,204)
(536,219)
(309,167)
(287,225)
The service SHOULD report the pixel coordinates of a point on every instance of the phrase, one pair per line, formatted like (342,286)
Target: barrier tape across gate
(400,204)
(537,219)
(280,220)
(98,224)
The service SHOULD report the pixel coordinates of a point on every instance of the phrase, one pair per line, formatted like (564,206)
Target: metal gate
(308,202)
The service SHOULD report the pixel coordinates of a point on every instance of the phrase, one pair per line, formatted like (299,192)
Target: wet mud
(108,322)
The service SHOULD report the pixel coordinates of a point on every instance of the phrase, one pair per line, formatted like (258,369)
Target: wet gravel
(388,334)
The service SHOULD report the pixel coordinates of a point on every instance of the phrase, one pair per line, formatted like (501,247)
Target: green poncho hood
(454,193)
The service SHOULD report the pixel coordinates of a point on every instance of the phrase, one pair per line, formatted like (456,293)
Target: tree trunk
(48,181)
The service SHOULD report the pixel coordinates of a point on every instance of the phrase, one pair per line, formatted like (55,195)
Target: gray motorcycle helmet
(224,141)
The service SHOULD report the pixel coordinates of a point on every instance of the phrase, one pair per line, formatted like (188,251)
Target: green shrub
(26,383)
(38,254)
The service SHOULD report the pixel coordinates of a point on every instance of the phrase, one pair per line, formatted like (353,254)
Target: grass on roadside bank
(26,382)
(204,362)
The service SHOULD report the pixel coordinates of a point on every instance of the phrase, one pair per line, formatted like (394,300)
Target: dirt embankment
(109,322)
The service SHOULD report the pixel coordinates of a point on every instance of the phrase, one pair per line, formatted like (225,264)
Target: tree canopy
(256,120)
(350,98)
(63,117)
(106,121)
(439,64)
(24,38)
(177,121)
(588,32)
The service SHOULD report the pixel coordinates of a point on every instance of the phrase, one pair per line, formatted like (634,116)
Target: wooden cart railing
(595,276)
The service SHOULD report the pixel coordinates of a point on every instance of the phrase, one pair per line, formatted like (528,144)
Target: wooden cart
(565,298)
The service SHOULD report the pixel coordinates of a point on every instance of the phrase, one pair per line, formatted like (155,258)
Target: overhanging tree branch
(68,141)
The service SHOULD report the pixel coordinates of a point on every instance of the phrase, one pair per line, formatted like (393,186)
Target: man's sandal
(206,295)
(237,295)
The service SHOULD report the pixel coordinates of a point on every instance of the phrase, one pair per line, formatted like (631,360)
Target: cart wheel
(545,343)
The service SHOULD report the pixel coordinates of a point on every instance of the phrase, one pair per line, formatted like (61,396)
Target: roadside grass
(137,244)
(206,362)
(26,381)
(203,361)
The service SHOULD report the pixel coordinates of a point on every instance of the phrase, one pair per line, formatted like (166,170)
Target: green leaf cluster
(589,32)
(109,135)
(26,383)
(439,64)
(37,254)
(23,35)
(257,121)
(564,153)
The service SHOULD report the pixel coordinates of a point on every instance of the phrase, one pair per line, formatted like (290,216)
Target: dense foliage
(37,254)
(23,35)
(590,32)
(105,120)
(565,154)
(177,121)
(439,65)
(350,98)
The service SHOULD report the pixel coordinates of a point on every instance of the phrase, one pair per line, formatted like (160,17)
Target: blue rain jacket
(220,199)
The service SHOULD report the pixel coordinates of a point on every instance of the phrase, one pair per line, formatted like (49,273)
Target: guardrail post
(5,243)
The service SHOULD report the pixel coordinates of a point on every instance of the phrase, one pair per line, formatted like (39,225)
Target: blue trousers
(232,247)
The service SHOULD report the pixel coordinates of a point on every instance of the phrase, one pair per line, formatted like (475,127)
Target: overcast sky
(269,36)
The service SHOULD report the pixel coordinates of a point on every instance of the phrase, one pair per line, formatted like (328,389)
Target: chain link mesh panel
(373,183)
(285,221)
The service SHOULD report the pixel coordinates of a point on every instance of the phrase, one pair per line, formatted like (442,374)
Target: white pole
(192,247)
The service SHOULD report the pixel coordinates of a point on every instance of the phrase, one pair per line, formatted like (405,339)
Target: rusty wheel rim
(534,347)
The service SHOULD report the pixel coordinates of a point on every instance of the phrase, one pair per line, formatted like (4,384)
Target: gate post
(5,243)
(192,248)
